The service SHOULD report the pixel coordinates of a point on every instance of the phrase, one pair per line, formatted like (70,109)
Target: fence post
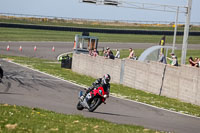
(122,71)
(163,77)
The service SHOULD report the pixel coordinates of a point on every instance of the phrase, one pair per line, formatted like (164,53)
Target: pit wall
(182,83)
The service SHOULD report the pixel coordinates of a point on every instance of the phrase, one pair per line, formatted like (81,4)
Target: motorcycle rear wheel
(79,106)
(95,102)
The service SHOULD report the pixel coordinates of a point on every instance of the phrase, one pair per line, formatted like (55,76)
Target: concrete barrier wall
(182,83)
(96,66)
(143,76)
(171,82)
(176,82)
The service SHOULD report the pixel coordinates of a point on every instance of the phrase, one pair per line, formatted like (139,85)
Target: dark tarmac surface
(22,86)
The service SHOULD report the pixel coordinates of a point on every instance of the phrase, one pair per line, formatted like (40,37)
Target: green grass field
(18,119)
(16,34)
(23,119)
(93,24)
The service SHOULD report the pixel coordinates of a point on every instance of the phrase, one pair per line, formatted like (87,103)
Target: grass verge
(92,24)
(120,90)
(22,119)
(17,34)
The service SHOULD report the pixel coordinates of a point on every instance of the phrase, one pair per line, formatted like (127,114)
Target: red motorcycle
(92,100)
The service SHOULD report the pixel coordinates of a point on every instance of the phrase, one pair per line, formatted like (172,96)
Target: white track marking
(63,54)
(82,86)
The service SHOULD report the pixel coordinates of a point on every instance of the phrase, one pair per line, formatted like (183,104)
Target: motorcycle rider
(100,82)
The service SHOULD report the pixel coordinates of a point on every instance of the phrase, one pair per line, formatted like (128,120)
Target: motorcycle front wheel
(94,103)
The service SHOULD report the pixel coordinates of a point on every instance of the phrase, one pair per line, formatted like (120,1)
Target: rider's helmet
(106,78)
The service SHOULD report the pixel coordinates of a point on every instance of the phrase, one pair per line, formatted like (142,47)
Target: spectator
(95,53)
(106,52)
(131,54)
(91,52)
(191,61)
(109,54)
(198,63)
(117,54)
(162,58)
(195,62)
(173,59)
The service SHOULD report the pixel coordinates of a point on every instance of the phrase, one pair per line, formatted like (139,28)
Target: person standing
(162,58)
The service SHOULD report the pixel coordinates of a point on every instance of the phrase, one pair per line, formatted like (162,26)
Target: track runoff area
(64,94)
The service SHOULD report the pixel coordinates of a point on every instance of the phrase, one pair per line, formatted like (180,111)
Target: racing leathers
(98,83)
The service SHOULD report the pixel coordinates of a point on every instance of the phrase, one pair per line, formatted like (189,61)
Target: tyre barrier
(96,30)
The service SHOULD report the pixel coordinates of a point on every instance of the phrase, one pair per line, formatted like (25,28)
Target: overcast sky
(75,9)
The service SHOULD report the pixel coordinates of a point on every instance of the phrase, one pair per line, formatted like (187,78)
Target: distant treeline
(95,30)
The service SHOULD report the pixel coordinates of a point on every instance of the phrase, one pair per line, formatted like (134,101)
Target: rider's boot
(87,91)
(83,96)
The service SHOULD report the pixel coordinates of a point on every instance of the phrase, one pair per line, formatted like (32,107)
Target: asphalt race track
(23,86)
(44,49)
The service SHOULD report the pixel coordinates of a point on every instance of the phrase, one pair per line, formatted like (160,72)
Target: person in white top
(117,54)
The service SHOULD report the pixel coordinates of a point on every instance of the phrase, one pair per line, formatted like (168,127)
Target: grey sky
(75,9)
